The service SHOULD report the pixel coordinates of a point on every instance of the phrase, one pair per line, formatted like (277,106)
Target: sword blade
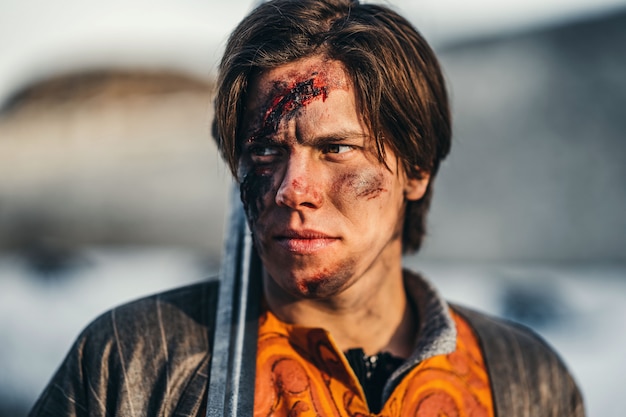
(233,362)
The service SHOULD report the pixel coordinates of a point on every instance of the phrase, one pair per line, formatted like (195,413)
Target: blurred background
(111,187)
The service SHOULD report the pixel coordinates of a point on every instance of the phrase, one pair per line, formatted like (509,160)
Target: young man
(333,116)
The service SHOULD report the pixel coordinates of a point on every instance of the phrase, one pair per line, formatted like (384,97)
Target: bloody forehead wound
(286,100)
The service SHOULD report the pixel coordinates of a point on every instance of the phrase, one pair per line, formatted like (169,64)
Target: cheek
(253,190)
(369,184)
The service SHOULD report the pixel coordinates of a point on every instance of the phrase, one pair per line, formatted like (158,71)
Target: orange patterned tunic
(300,372)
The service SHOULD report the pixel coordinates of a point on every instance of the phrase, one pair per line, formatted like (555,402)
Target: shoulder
(178,313)
(504,334)
(140,356)
(526,374)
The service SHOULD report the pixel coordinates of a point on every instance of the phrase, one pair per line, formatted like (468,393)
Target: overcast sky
(39,37)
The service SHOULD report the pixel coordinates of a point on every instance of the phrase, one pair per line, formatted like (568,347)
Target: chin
(311,281)
(316,289)
(317,286)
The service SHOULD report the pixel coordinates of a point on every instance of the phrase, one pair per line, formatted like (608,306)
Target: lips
(304,241)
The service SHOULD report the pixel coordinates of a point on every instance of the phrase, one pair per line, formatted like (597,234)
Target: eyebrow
(334,137)
(339,136)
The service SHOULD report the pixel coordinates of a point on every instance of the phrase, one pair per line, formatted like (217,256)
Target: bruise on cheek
(285,102)
(372,187)
(366,185)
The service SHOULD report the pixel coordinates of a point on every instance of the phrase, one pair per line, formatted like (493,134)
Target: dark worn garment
(147,358)
(527,376)
(151,358)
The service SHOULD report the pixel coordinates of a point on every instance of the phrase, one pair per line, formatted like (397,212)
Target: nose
(299,187)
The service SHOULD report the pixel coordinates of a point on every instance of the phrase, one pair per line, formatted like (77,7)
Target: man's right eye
(263,151)
(263,154)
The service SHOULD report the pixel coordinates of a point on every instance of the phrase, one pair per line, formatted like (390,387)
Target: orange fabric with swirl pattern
(300,372)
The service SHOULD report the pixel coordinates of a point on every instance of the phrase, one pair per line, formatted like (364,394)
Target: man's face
(323,210)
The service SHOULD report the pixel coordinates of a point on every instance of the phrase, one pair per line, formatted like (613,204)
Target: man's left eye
(335,148)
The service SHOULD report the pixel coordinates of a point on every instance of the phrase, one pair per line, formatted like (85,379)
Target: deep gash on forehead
(285,101)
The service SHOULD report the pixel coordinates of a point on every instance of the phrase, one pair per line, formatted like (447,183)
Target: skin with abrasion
(325,213)
(284,103)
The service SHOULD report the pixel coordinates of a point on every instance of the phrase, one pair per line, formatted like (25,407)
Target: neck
(372,314)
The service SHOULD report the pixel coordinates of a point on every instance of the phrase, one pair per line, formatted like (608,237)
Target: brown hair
(397,79)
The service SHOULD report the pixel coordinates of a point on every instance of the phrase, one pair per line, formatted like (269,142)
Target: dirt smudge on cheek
(253,190)
(373,187)
(366,185)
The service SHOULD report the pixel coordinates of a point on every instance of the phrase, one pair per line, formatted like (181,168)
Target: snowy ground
(579,310)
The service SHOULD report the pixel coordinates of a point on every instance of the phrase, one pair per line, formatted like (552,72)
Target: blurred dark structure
(538,166)
(104,84)
(536,304)
(109,158)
